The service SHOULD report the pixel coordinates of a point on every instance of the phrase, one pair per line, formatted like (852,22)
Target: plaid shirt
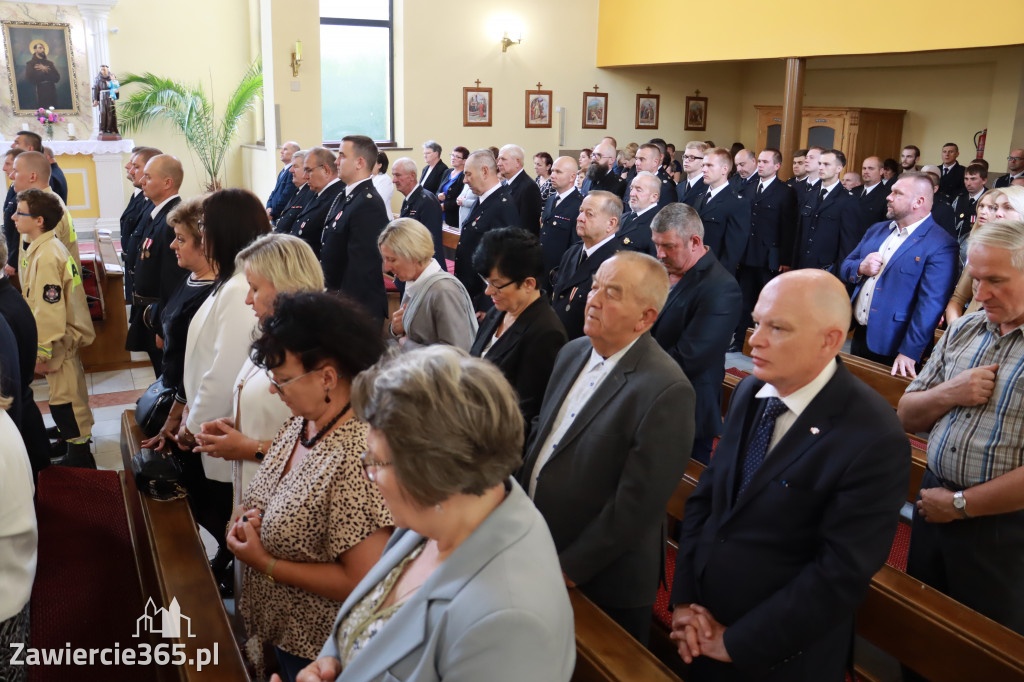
(971,445)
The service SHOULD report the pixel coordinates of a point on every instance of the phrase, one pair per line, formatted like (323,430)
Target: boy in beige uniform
(52,284)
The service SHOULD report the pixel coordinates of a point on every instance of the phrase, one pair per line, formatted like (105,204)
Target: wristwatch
(960,503)
(260,454)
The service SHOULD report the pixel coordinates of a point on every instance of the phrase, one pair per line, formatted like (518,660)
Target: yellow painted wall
(948,95)
(757,30)
(191,40)
(80,172)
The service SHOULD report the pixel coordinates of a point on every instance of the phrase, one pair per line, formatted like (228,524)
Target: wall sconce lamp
(297,58)
(506,41)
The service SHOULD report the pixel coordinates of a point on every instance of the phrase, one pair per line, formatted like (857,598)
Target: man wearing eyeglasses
(1014,168)
(321,175)
(600,175)
(692,188)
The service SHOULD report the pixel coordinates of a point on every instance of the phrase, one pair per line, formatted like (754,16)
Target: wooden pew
(876,376)
(606,653)
(171,562)
(107,351)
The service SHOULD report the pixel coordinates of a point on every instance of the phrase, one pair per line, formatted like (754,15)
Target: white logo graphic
(161,621)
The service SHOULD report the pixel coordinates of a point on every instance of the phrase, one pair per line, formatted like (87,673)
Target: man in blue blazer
(611,443)
(698,319)
(903,272)
(284,188)
(829,221)
(558,220)
(351,261)
(799,506)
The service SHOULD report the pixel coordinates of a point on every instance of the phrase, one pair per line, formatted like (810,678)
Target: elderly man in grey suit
(611,442)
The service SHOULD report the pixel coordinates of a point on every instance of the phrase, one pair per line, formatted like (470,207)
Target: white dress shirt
(796,402)
(892,243)
(587,382)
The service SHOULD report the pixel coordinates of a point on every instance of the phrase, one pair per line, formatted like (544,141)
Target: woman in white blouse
(218,343)
(18,540)
(273,264)
(383,182)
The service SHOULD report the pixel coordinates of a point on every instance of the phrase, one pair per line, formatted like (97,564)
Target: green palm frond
(190,111)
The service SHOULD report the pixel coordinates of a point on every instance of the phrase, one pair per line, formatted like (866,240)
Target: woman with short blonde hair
(435,305)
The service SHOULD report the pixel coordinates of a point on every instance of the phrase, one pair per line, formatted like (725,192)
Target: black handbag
(158,474)
(152,408)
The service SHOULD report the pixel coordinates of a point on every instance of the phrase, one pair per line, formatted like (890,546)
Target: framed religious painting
(595,109)
(40,67)
(538,108)
(476,107)
(648,109)
(696,113)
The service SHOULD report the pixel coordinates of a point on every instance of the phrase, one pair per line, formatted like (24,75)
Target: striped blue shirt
(971,445)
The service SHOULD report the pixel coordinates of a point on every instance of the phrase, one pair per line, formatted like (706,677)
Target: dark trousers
(291,665)
(751,279)
(859,347)
(977,561)
(702,448)
(634,620)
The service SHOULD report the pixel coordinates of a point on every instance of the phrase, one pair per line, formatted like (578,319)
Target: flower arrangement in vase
(48,117)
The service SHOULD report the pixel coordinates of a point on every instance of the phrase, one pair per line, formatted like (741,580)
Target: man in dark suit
(284,189)
(799,174)
(810,185)
(600,172)
(11,236)
(871,195)
(31,142)
(697,322)
(434,171)
(692,187)
(799,506)
(634,231)
(951,173)
(157,273)
(745,178)
(131,230)
(1014,168)
(770,245)
(419,204)
(321,175)
(648,159)
(611,443)
(493,209)
(904,272)
(558,221)
(942,211)
(348,252)
(596,225)
(965,208)
(829,222)
(303,195)
(726,217)
(522,190)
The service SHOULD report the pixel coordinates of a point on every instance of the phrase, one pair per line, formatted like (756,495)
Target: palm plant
(187,108)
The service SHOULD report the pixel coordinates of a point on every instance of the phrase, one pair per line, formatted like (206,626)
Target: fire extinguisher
(979,142)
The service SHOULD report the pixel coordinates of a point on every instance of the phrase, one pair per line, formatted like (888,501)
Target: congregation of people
(407,492)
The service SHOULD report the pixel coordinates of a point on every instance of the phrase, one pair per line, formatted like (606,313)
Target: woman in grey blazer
(435,306)
(469,587)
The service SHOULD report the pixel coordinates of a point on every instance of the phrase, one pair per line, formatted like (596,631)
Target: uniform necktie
(704,201)
(824,193)
(405,205)
(583,258)
(944,171)
(758,446)
(504,183)
(760,188)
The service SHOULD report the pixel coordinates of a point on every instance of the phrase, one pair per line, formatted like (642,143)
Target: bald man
(558,221)
(156,270)
(31,170)
(1014,168)
(284,188)
(871,195)
(799,506)
(903,272)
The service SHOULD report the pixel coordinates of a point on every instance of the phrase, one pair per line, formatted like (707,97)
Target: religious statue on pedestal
(104,93)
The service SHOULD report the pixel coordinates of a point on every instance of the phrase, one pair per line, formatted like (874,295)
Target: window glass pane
(356,9)
(355,81)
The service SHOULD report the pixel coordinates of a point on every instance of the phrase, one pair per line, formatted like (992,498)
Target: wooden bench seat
(171,564)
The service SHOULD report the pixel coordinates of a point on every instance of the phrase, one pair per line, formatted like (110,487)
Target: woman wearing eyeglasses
(521,334)
(314,525)
(469,586)
(452,186)
(435,305)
